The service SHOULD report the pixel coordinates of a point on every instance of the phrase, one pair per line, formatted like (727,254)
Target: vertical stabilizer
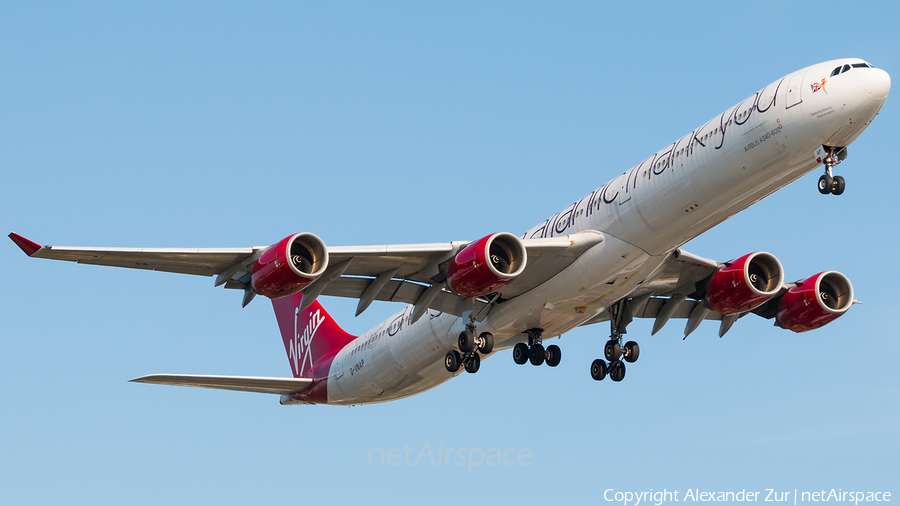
(311,337)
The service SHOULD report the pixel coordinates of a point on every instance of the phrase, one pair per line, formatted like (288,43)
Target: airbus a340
(612,256)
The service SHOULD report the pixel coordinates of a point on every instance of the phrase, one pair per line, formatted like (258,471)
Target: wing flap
(652,308)
(258,384)
(401,291)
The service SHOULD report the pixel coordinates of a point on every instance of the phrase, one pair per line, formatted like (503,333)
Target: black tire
(520,353)
(825,183)
(554,354)
(466,341)
(632,351)
(536,355)
(451,361)
(612,351)
(617,371)
(837,185)
(487,344)
(598,369)
(473,364)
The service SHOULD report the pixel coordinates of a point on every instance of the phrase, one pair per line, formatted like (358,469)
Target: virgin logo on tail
(299,345)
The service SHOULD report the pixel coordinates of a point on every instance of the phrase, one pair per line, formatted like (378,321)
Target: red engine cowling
(745,283)
(486,265)
(289,265)
(815,301)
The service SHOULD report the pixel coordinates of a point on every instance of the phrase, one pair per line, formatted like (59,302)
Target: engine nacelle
(745,283)
(486,265)
(289,265)
(815,301)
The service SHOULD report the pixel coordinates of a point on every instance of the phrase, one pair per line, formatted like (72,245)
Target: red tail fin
(311,337)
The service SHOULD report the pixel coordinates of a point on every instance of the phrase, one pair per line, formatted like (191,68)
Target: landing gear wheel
(825,183)
(837,185)
(474,363)
(466,341)
(536,355)
(553,355)
(632,351)
(617,371)
(520,353)
(598,369)
(452,360)
(612,351)
(487,342)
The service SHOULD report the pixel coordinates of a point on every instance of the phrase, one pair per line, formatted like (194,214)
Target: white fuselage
(742,155)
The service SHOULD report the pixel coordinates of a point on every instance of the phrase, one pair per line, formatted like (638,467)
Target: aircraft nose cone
(878,82)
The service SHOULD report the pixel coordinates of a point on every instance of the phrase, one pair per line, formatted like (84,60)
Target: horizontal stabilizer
(263,385)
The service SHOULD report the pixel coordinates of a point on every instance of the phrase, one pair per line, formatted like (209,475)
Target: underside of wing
(411,273)
(197,261)
(203,262)
(697,289)
(264,385)
(673,290)
(368,274)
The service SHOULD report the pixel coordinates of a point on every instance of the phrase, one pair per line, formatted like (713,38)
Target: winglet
(29,247)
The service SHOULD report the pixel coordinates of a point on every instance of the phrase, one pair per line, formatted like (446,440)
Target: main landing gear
(469,347)
(615,353)
(829,183)
(535,352)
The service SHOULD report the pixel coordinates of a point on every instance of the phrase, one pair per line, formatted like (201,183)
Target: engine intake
(745,283)
(486,265)
(815,301)
(289,265)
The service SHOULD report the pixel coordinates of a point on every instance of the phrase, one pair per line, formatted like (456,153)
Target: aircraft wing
(410,273)
(676,290)
(282,386)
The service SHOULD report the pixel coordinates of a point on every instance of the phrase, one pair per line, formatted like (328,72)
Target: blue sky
(220,124)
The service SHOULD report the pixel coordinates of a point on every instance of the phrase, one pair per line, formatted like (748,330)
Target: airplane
(611,256)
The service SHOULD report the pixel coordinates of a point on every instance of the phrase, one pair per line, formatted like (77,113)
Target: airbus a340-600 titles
(612,256)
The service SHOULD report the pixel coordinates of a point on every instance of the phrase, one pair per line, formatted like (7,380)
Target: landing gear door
(794,87)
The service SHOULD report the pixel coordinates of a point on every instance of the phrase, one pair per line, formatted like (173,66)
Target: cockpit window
(845,68)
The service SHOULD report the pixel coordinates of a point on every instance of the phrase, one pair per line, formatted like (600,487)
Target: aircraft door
(794,87)
(620,185)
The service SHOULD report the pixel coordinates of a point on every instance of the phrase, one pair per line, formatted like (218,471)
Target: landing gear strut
(535,352)
(615,353)
(831,156)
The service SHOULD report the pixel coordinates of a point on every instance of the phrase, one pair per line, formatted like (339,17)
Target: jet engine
(486,265)
(745,283)
(289,265)
(815,301)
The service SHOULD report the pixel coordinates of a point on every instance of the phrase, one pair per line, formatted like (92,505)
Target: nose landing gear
(830,156)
